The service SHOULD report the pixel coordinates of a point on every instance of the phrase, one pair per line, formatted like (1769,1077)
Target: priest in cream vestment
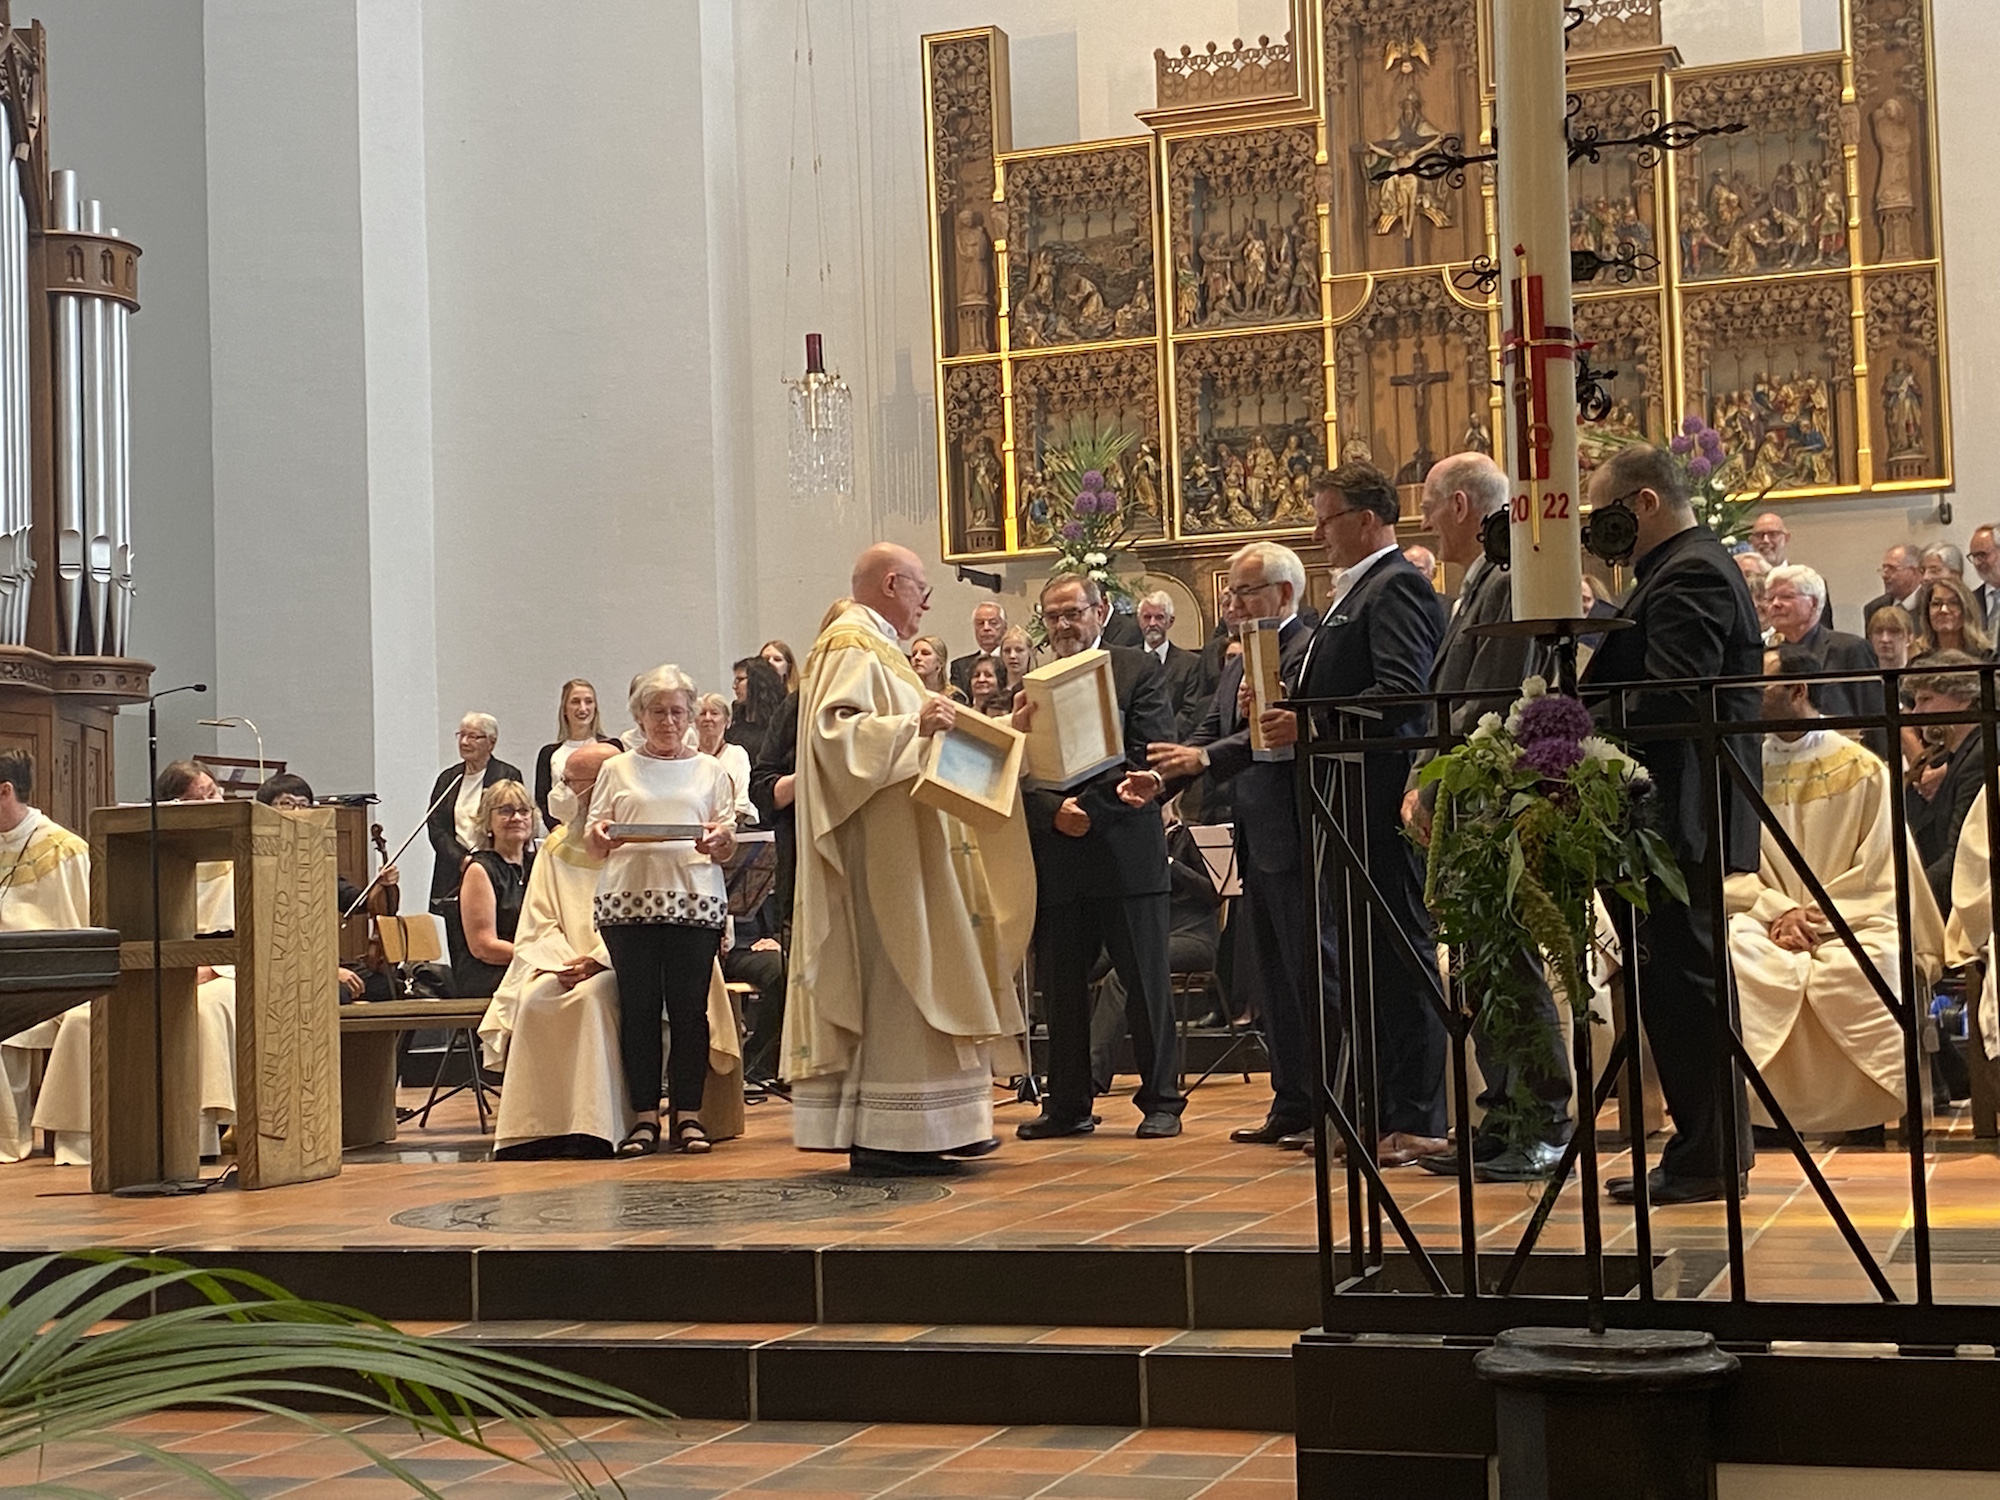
(907,925)
(1969,930)
(552,1025)
(44,885)
(1828,1046)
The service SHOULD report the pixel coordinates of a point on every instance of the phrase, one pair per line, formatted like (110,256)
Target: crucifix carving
(1419,382)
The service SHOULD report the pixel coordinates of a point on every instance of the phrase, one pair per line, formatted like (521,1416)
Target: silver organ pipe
(96,454)
(16,474)
(68,316)
(119,615)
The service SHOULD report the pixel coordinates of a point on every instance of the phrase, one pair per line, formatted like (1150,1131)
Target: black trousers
(1546,1073)
(1133,931)
(765,970)
(663,965)
(1280,939)
(1680,998)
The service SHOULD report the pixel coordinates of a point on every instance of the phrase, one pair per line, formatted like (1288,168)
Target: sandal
(691,1138)
(643,1140)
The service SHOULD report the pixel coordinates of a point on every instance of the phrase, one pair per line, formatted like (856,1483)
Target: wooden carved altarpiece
(1236,291)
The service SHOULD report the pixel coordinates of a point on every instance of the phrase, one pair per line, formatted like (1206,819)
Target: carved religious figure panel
(975,431)
(1613,212)
(1412,378)
(1891,79)
(1402,79)
(1906,433)
(1059,398)
(1243,230)
(1770,368)
(1250,415)
(1080,262)
(1624,335)
(969,123)
(1772,197)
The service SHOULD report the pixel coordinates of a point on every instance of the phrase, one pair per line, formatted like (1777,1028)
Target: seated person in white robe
(1969,930)
(1829,1048)
(44,885)
(64,1107)
(552,1025)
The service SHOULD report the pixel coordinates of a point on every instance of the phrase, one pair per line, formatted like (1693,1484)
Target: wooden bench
(368,1032)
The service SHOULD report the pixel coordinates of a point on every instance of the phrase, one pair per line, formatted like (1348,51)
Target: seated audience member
(496,882)
(927,660)
(1183,667)
(711,724)
(287,791)
(759,692)
(1943,561)
(661,907)
(1952,770)
(1831,1051)
(989,626)
(1017,655)
(553,1026)
(1969,932)
(784,661)
(577,724)
(454,820)
(1891,634)
(46,885)
(756,957)
(1902,574)
(1420,557)
(984,691)
(1795,609)
(1756,570)
(1949,619)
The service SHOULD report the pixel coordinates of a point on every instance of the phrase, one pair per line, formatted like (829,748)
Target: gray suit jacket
(1467,661)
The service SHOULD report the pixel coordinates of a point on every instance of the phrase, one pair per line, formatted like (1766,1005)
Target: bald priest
(908,926)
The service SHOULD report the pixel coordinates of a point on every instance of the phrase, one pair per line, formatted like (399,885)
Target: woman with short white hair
(454,819)
(661,903)
(711,727)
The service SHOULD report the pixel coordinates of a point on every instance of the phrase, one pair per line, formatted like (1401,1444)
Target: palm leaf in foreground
(249,1345)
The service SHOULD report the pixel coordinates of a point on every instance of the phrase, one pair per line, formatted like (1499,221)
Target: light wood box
(1076,730)
(973,770)
(1260,669)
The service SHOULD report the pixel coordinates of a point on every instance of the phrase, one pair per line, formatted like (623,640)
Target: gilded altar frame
(1798,302)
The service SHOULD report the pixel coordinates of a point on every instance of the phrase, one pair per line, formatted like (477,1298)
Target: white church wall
(126,111)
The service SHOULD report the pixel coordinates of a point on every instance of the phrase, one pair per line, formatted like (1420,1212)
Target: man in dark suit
(1102,883)
(1984,555)
(1459,494)
(1795,606)
(454,817)
(1902,580)
(1692,620)
(1183,667)
(1266,581)
(989,625)
(1937,805)
(1379,638)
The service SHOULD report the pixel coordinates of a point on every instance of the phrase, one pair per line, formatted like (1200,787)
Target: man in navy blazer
(1692,620)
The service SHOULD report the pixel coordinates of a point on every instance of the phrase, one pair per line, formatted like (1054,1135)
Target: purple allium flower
(1093,480)
(1551,757)
(1554,716)
(1073,532)
(1682,445)
(1711,442)
(1107,502)
(1692,426)
(1085,503)
(1699,467)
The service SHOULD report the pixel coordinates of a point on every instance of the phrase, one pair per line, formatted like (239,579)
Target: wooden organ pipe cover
(77,264)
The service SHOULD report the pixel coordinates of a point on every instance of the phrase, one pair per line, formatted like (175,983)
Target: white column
(1534,262)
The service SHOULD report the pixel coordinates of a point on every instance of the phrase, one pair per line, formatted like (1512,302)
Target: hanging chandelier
(822,433)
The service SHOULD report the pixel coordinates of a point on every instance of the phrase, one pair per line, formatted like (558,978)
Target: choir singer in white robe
(1819,1033)
(907,925)
(44,885)
(552,1025)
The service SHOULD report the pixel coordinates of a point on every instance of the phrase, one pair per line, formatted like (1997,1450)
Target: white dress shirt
(1352,576)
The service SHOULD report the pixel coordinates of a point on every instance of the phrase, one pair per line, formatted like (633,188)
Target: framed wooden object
(973,770)
(1260,670)
(1077,730)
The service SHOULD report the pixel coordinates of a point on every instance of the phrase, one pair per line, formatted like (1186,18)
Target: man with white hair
(1902,580)
(1459,494)
(908,925)
(1266,581)
(989,628)
(1984,554)
(454,820)
(1183,667)
(1795,605)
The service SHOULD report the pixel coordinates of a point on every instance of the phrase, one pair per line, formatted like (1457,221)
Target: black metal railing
(1456,1290)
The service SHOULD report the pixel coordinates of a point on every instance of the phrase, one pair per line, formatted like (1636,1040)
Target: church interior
(371,368)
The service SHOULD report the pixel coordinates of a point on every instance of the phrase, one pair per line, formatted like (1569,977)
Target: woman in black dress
(495,882)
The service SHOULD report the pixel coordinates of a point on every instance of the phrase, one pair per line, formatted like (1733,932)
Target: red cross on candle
(1533,344)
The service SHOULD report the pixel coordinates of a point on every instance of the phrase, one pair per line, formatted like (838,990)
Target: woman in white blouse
(661,904)
(711,722)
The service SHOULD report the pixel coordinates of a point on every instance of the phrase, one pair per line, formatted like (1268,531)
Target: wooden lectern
(287,1045)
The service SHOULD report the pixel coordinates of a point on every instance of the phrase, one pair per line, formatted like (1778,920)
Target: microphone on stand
(246,722)
(161,1186)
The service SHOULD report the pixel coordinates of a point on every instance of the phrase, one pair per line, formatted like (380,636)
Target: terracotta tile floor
(692,1461)
(1106,1189)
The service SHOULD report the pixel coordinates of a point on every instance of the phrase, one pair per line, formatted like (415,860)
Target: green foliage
(69,1374)
(1088,516)
(1516,858)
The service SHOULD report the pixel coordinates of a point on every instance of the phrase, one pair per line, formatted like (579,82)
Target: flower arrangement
(1713,475)
(1535,812)
(1087,515)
